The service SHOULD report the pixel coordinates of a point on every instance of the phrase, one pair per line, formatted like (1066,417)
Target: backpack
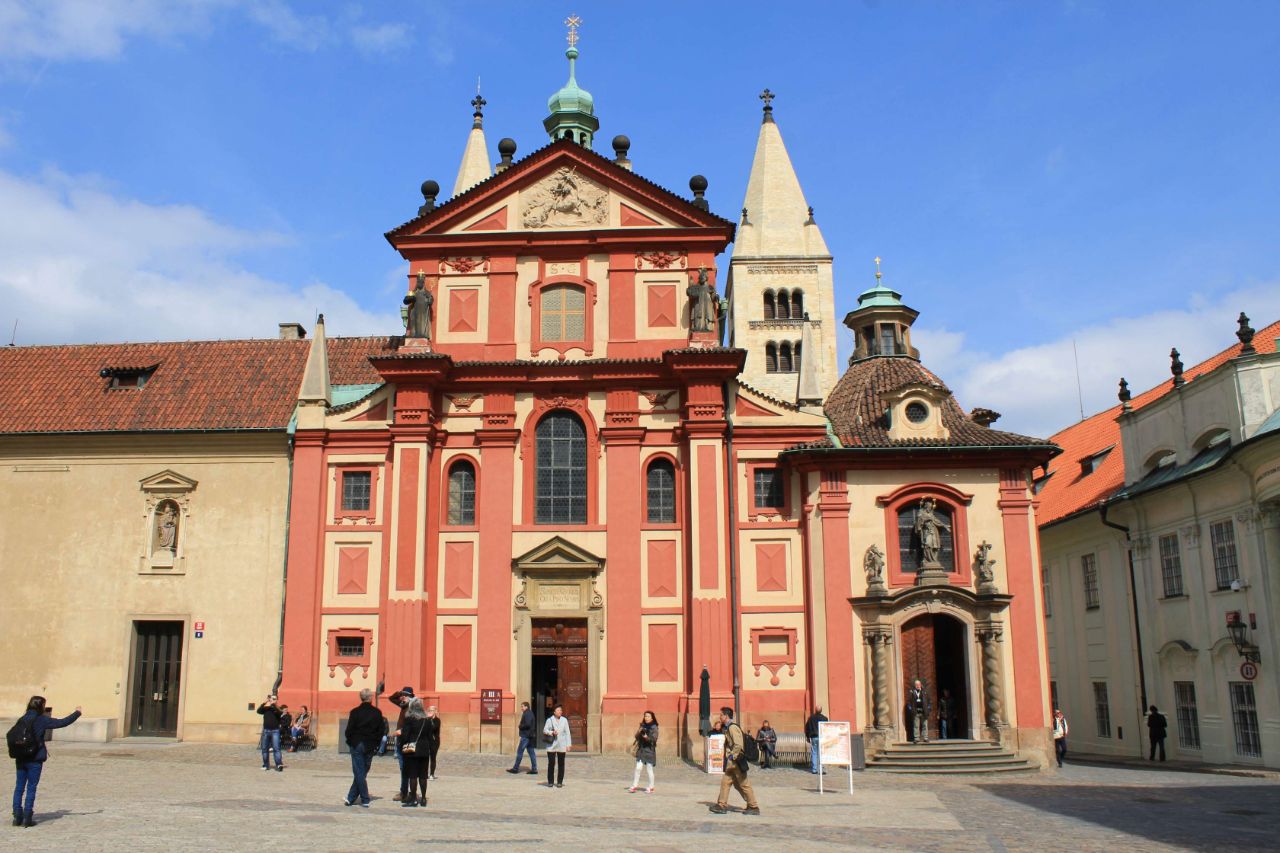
(24,743)
(750,748)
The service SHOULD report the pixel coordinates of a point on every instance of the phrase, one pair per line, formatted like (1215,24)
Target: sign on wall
(490,706)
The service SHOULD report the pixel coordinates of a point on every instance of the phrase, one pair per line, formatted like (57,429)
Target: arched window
(771,357)
(797,304)
(462,493)
(660,488)
(560,454)
(784,358)
(770,312)
(784,305)
(926,532)
(795,357)
(564,313)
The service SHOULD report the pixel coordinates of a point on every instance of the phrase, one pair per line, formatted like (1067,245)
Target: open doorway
(559,674)
(934,651)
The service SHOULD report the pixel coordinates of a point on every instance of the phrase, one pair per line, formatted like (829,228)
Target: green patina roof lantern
(572,108)
(881,323)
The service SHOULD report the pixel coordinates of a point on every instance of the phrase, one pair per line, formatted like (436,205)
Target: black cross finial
(768,97)
(479,103)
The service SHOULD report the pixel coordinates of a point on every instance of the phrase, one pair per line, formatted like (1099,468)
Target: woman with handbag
(645,749)
(415,739)
(556,734)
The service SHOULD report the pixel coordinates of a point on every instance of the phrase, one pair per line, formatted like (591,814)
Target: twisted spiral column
(992,681)
(879,640)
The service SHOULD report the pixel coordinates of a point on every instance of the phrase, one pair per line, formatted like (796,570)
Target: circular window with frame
(917,413)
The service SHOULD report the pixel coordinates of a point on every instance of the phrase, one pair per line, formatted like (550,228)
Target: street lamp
(1238,631)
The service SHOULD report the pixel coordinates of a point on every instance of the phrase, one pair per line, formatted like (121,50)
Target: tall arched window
(462,493)
(769,307)
(919,537)
(784,305)
(797,304)
(660,491)
(784,358)
(560,491)
(564,313)
(770,357)
(795,356)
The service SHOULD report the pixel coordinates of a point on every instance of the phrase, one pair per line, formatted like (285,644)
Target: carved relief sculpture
(565,199)
(702,304)
(419,301)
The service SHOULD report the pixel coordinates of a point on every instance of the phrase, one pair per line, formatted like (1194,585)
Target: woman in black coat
(417,736)
(646,750)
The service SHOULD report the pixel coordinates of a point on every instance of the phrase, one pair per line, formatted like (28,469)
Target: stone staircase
(949,757)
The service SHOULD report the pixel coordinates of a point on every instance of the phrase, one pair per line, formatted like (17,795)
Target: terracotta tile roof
(856,410)
(349,358)
(1068,490)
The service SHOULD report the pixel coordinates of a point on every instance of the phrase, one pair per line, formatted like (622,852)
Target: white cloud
(91,29)
(373,40)
(304,32)
(1035,387)
(79,263)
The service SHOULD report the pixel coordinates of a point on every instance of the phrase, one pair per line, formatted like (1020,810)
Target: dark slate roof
(856,408)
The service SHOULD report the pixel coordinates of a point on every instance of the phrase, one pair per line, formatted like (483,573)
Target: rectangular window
(350,647)
(356,490)
(1184,700)
(886,340)
(1244,714)
(1046,590)
(1171,565)
(1102,708)
(1089,566)
(564,313)
(1222,537)
(768,489)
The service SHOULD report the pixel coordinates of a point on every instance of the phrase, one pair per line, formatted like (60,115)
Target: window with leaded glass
(910,546)
(1244,716)
(1184,702)
(1222,538)
(560,450)
(564,313)
(768,488)
(660,488)
(1171,565)
(1089,568)
(886,340)
(356,490)
(1102,708)
(462,493)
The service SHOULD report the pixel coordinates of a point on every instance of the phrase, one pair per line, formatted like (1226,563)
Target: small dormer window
(127,377)
(1092,463)
(917,412)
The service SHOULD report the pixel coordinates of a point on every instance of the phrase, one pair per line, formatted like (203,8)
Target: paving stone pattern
(198,797)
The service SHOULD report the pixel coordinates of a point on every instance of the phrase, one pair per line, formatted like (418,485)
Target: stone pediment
(167,481)
(557,555)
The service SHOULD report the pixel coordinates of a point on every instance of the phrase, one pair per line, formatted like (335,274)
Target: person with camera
(272,714)
(27,749)
(556,733)
(364,730)
(415,741)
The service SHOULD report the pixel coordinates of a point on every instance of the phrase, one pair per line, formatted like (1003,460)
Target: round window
(917,412)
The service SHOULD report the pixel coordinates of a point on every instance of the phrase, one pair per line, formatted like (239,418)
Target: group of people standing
(417,736)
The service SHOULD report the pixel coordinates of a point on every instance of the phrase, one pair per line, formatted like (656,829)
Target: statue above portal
(419,301)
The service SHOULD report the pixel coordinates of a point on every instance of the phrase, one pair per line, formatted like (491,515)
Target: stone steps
(950,757)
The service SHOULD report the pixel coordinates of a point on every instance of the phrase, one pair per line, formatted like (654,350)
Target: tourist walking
(271,716)
(527,741)
(364,730)
(26,748)
(918,707)
(401,700)
(1060,732)
(811,734)
(735,767)
(646,750)
(1157,726)
(767,738)
(556,732)
(415,739)
(433,720)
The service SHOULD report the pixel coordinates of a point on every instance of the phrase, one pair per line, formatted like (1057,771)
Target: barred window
(1184,700)
(1102,708)
(768,489)
(1171,565)
(1089,567)
(561,470)
(356,489)
(1222,537)
(350,647)
(1244,715)
(660,486)
(564,313)
(911,549)
(462,493)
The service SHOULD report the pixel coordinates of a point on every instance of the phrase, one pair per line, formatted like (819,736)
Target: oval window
(917,412)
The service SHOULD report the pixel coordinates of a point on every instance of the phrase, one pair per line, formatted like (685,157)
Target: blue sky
(1032,173)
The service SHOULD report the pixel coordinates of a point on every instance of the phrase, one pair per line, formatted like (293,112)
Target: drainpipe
(731,469)
(1137,625)
(284,572)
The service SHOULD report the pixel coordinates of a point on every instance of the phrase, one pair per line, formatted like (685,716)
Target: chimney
(292,332)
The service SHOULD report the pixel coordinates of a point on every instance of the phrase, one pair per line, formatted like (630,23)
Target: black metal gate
(157,670)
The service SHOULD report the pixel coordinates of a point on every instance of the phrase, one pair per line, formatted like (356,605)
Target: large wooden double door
(560,672)
(933,650)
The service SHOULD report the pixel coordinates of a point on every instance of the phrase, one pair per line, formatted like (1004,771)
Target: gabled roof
(1068,490)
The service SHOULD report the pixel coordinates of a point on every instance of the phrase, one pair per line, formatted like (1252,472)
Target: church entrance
(934,651)
(559,673)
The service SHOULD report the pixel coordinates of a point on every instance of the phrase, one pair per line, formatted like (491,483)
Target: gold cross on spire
(573,22)
(877,267)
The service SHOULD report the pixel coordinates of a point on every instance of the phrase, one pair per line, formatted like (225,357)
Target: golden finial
(573,22)
(877,267)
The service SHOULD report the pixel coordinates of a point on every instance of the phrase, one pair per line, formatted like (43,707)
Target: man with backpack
(737,748)
(26,747)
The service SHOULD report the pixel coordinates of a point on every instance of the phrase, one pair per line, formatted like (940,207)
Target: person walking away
(270,733)
(1157,726)
(29,753)
(364,729)
(433,720)
(918,705)
(416,739)
(301,727)
(1060,732)
(946,715)
(646,746)
(735,767)
(556,732)
(811,734)
(527,741)
(768,740)
(401,700)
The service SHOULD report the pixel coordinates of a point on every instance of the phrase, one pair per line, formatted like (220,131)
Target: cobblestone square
(148,796)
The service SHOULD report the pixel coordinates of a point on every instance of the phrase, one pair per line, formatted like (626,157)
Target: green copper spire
(572,108)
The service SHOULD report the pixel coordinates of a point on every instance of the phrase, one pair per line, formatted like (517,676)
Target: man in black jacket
(270,733)
(1157,726)
(364,731)
(811,733)
(527,741)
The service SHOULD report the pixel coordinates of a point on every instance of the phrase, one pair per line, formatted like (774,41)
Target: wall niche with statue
(167,501)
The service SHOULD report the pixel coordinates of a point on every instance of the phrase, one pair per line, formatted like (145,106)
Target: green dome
(572,110)
(880,296)
(571,98)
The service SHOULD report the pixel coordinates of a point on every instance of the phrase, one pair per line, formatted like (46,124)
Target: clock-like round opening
(917,412)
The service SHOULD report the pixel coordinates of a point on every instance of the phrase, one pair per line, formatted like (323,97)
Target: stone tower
(779,275)
(475,156)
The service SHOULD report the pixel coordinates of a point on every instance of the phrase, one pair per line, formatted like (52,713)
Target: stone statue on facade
(873,565)
(929,527)
(702,304)
(984,566)
(419,301)
(167,528)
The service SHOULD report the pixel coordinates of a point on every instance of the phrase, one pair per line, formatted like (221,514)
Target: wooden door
(567,640)
(157,672)
(918,661)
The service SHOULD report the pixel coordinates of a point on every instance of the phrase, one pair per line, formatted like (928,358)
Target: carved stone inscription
(559,597)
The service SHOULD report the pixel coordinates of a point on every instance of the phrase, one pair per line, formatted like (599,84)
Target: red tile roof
(1069,491)
(349,358)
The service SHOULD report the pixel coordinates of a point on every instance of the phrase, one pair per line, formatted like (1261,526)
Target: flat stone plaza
(160,796)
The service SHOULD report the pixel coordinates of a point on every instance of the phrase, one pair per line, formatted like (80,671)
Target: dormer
(914,412)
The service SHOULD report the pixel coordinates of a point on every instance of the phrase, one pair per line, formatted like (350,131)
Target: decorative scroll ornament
(564,199)
(658,400)
(464,402)
(660,260)
(464,264)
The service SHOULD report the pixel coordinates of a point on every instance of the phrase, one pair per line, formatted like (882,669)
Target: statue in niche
(167,528)
(873,565)
(419,301)
(702,304)
(929,527)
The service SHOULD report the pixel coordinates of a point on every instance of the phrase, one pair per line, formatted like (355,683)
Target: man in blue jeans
(527,741)
(364,731)
(271,715)
(811,733)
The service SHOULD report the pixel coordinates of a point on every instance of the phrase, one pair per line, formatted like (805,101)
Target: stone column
(990,636)
(880,638)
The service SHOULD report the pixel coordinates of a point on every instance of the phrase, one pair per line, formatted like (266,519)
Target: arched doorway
(934,650)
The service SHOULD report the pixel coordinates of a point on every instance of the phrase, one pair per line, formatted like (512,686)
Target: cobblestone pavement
(179,797)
